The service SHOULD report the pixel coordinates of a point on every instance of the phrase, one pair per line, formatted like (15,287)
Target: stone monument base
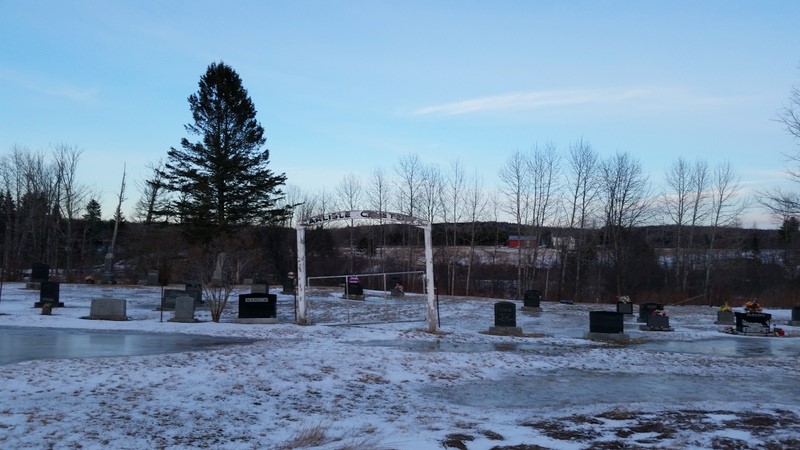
(353,297)
(794,323)
(616,337)
(655,328)
(258,320)
(534,309)
(52,304)
(505,331)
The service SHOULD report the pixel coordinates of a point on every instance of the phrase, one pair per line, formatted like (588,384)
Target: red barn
(521,241)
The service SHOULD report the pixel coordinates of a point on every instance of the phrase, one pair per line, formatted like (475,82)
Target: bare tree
(582,188)
(791,114)
(73,198)
(378,195)
(515,185)
(153,202)
(452,212)
(626,195)
(726,208)
(349,191)
(476,207)
(410,178)
(544,166)
(108,275)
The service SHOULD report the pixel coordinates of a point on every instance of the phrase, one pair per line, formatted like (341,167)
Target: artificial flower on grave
(659,312)
(752,306)
(624,299)
(725,307)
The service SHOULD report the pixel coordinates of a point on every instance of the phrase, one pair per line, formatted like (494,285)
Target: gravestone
(152,278)
(657,323)
(288,286)
(606,322)
(625,308)
(752,323)
(725,318)
(646,310)
(39,272)
(393,283)
(49,293)
(353,290)
(106,308)
(505,319)
(795,317)
(195,290)
(531,301)
(184,309)
(171,295)
(259,287)
(258,308)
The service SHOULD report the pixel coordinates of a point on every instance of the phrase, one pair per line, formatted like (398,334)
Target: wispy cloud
(37,83)
(646,96)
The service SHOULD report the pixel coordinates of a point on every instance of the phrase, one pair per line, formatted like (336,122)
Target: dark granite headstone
(532,299)
(753,323)
(505,314)
(646,309)
(393,283)
(170,295)
(625,308)
(658,323)
(606,322)
(49,293)
(258,306)
(796,314)
(353,287)
(40,272)
(288,286)
(195,290)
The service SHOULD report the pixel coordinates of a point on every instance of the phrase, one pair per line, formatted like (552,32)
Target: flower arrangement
(659,312)
(752,306)
(624,299)
(725,307)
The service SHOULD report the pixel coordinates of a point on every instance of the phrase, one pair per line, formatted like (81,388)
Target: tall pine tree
(222,180)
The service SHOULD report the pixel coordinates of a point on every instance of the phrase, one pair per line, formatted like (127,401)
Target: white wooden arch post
(432,314)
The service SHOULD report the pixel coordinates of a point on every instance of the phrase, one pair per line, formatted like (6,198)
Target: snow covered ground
(353,381)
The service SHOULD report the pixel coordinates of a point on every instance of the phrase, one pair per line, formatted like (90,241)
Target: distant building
(521,241)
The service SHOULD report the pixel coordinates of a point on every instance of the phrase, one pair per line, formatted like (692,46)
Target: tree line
(600,226)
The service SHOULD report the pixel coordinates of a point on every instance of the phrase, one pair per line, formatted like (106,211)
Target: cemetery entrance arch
(391,217)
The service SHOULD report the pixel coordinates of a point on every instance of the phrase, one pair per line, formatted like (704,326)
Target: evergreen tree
(222,180)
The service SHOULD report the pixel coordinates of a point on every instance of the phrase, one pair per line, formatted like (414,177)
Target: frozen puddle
(26,344)
(731,347)
(579,388)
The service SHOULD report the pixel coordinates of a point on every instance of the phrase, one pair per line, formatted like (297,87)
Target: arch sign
(365,214)
(432,315)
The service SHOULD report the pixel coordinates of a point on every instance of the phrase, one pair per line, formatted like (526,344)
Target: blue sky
(351,86)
